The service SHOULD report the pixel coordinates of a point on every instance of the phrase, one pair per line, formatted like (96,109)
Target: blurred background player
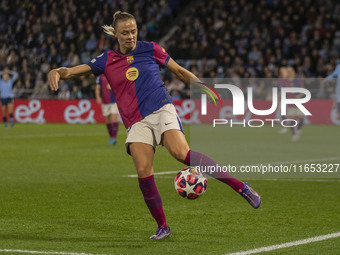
(147,110)
(7,102)
(104,96)
(281,83)
(288,79)
(336,75)
(293,112)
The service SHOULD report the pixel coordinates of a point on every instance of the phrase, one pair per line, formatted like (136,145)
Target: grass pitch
(63,189)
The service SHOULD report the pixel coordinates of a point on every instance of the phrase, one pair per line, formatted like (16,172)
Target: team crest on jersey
(129,59)
(132,73)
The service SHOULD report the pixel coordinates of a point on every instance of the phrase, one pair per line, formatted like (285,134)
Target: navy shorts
(6,101)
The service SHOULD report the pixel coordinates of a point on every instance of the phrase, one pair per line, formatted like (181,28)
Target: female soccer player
(6,84)
(104,96)
(147,110)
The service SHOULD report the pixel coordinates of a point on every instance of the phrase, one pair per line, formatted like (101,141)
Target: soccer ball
(191,184)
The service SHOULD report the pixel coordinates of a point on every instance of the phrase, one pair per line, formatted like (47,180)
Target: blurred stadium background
(212,38)
(63,190)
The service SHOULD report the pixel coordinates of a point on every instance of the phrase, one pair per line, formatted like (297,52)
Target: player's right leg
(142,155)
(178,147)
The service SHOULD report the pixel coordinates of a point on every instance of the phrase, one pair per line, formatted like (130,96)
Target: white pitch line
(45,252)
(254,251)
(272,163)
(287,245)
(159,173)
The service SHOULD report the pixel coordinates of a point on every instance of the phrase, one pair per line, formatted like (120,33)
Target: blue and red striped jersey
(135,79)
(105,89)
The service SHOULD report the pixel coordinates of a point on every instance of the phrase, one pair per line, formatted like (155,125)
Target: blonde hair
(117,17)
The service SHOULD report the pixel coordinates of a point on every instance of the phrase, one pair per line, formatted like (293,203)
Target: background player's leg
(142,155)
(10,112)
(114,121)
(300,123)
(112,127)
(295,130)
(283,130)
(4,114)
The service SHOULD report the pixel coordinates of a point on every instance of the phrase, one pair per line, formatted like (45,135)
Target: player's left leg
(10,112)
(176,144)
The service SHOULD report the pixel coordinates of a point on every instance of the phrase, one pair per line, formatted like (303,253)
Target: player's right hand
(53,79)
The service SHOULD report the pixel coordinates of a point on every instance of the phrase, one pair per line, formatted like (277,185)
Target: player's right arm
(66,73)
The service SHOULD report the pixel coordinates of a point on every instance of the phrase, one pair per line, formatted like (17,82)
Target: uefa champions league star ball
(191,184)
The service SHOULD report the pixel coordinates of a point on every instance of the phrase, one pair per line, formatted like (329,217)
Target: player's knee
(144,171)
(180,154)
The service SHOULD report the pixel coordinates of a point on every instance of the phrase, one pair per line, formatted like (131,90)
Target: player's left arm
(182,73)
(186,76)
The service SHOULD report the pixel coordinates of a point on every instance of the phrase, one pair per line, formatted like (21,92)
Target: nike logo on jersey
(168,123)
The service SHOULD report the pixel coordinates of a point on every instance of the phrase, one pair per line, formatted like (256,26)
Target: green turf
(63,189)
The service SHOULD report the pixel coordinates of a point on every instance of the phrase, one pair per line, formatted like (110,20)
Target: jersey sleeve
(331,76)
(160,55)
(335,74)
(98,80)
(98,64)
